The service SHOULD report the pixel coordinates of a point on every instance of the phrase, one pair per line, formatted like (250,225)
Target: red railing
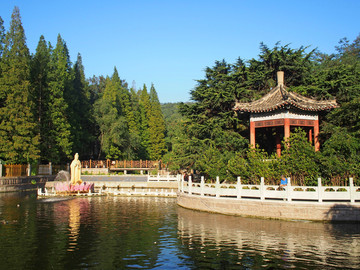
(136,164)
(94,164)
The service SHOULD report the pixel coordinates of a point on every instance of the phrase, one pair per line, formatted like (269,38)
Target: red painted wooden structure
(283,109)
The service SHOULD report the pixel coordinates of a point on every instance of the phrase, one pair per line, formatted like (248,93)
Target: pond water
(154,233)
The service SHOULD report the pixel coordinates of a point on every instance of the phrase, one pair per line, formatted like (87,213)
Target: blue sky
(170,43)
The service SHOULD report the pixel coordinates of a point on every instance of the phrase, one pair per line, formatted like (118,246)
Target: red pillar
(252,134)
(286,128)
(278,143)
(310,136)
(316,135)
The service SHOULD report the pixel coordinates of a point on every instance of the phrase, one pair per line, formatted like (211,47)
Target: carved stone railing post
(217,187)
(319,190)
(238,188)
(289,190)
(262,189)
(202,185)
(352,190)
(182,184)
(190,185)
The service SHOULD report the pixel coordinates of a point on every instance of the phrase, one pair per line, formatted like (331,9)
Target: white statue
(75,169)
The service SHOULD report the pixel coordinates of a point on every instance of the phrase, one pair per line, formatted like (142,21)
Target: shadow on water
(344,213)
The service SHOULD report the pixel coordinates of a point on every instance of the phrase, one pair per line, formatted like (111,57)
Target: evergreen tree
(81,112)
(157,127)
(133,120)
(145,108)
(2,36)
(18,140)
(2,40)
(40,81)
(210,122)
(59,142)
(109,112)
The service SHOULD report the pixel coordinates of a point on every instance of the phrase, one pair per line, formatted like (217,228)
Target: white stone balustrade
(264,192)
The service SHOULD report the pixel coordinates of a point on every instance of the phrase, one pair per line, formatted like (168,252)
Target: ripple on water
(153,233)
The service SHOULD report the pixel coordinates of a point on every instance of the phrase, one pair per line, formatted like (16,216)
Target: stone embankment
(23,183)
(318,203)
(273,209)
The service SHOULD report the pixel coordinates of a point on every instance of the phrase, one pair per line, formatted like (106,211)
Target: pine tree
(81,111)
(133,121)
(18,140)
(40,88)
(2,40)
(110,116)
(144,108)
(157,127)
(59,142)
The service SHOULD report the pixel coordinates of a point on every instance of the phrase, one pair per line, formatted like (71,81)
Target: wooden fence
(94,164)
(12,170)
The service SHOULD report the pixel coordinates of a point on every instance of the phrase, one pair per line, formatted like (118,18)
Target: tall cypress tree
(40,88)
(59,142)
(133,120)
(144,108)
(110,116)
(157,127)
(2,36)
(2,40)
(81,111)
(18,140)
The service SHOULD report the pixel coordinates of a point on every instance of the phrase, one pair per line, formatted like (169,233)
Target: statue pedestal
(68,188)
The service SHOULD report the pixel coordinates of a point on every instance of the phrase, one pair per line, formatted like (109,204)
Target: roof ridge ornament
(280,78)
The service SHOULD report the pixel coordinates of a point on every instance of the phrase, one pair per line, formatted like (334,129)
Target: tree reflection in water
(154,233)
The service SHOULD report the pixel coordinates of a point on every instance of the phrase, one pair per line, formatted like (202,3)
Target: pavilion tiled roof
(279,98)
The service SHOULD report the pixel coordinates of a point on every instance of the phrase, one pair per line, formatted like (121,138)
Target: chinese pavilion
(283,110)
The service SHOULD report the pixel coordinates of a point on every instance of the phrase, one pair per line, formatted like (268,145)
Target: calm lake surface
(154,233)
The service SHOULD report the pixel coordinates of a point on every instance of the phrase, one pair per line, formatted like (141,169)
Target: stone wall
(21,183)
(273,210)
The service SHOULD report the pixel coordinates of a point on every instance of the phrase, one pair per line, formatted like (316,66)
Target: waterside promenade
(319,203)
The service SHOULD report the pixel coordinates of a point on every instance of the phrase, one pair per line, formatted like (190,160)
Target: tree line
(213,140)
(49,110)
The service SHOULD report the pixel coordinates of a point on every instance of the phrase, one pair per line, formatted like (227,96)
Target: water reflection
(153,233)
(227,241)
(74,212)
